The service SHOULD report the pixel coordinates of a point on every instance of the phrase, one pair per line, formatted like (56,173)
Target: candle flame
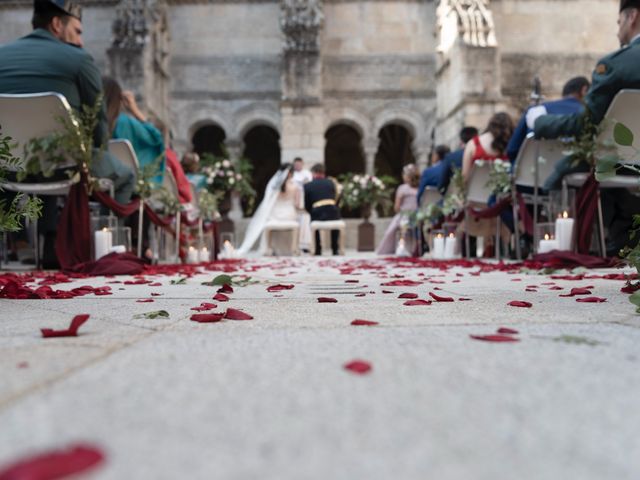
(105,229)
(439,235)
(565,214)
(546,236)
(451,235)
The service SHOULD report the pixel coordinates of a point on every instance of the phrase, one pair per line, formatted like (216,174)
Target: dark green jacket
(41,63)
(616,71)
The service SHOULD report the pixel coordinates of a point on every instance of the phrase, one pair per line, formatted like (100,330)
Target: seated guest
(573,94)
(320,201)
(490,145)
(405,203)
(431,175)
(453,160)
(51,58)
(126,121)
(191,166)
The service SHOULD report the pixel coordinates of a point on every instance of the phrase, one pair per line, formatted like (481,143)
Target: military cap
(65,6)
(629,3)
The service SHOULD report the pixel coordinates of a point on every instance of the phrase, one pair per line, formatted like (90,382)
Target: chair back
(623,109)
(123,151)
(25,117)
(477,190)
(429,196)
(547,152)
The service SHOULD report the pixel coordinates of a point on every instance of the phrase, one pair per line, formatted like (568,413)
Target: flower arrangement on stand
(366,192)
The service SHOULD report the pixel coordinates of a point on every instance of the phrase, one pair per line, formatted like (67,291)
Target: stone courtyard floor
(269,398)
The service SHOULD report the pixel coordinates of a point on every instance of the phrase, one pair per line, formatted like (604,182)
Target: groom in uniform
(320,202)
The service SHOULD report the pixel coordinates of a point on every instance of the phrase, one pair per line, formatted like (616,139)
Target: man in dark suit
(320,202)
(615,72)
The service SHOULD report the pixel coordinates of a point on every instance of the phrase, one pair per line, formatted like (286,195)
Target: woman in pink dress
(406,203)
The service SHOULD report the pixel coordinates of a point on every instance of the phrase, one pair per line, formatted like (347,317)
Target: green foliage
(622,135)
(11,215)
(169,202)
(499,177)
(455,199)
(180,281)
(359,190)
(219,281)
(146,185)
(153,315)
(208,204)
(224,176)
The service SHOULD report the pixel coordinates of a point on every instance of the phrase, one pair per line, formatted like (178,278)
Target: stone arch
(351,117)
(256,114)
(406,117)
(207,137)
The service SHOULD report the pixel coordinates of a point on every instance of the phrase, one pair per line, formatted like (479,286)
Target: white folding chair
(535,162)
(123,151)
(624,109)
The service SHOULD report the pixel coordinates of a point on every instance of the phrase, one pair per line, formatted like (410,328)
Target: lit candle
(192,255)
(401,249)
(102,242)
(118,249)
(564,231)
(438,247)
(450,246)
(548,244)
(204,254)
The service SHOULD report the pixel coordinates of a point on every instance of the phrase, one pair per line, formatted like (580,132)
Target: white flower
(226,163)
(356,178)
(355,192)
(229,173)
(231,181)
(209,181)
(239,176)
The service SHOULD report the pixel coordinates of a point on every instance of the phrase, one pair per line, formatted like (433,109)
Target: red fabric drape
(560,259)
(73,240)
(586,207)
(111,264)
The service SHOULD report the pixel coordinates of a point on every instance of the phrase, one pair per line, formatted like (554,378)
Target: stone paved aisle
(168,398)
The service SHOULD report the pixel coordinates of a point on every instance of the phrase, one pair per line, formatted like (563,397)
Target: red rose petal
(556,288)
(530,290)
(226,288)
(577,291)
(154,284)
(438,298)
(144,300)
(72,331)
(401,283)
(233,314)
(327,300)
(207,317)
(364,322)
(358,366)
(630,288)
(387,291)
(495,338)
(352,281)
(54,464)
(518,303)
(408,295)
(204,307)
(221,297)
(591,300)
(414,303)
(360,294)
(279,288)
(507,331)
(463,299)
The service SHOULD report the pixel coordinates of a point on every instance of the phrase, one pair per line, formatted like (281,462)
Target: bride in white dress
(278,209)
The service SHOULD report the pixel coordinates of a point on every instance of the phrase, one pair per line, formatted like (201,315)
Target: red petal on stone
(530,290)
(414,303)
(507,331)
(327,300)
(438,298)
(364,322)
(518,303)
(630,288)
(156,294)
(204,307)
(463,299)
(207,317)
(577,291)
(495,338)
(360,294)
(387,291)
(155,284)
(591,300)
(408,295)
(72,331)
(352,281)
(226,288)
(54,464)
(401,283)
(358,366)
(221,297)
(279,288)
(233,314)
(144,300)
(516,279)
(556,288)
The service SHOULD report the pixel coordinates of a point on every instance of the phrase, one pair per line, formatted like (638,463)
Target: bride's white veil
(261,215)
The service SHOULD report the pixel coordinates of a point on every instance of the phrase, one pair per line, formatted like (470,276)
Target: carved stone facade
(303,66)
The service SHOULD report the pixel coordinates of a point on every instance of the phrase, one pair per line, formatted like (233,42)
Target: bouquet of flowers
(224,175)
(359,190)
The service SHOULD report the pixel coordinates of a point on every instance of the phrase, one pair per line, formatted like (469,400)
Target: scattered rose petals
(204,307)
(144,300)
(364,322)
(414,303)
(591,300)
(226,288)
(438,298)
(507,331)
(358,366)
(401,283)
(54,464)
(327,300)
(495,338)
(519,303)
(233,314)
(220,297)
(630,288)
(72,331)
(279,288)
(207,317)
(408,295)
(577,291)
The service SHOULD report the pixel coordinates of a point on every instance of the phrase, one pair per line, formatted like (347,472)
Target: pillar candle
(192,255)
(547,244)
(204,254)
(438,247)
(102,242)
(450,246)
(564,231)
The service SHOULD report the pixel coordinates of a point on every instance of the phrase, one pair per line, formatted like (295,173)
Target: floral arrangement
(208,204)
(360,190)
(499,176)
(224,175)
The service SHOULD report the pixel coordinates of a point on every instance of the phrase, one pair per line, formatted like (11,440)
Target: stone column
(370,149)
(301,104)
(235,147)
